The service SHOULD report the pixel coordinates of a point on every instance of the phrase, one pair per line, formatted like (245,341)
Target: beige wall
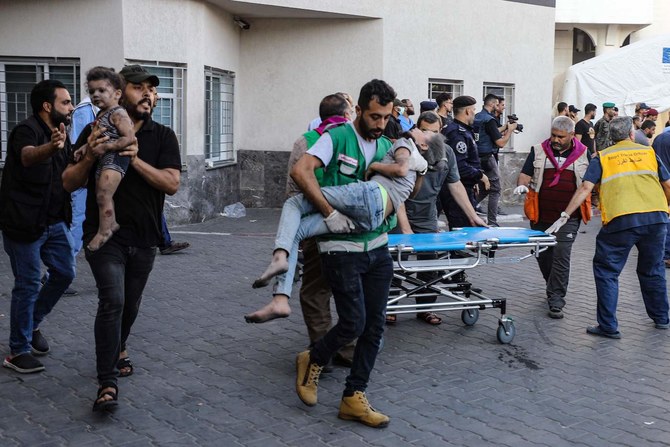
(287,66)
(193,33)
(91,31)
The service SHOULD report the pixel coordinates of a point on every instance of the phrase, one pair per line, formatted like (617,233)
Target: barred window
(503,91)
(169,110)
(18,76)
(219,99)
(438,86)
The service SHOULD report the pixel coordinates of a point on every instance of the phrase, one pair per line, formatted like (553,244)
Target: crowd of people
(361,170)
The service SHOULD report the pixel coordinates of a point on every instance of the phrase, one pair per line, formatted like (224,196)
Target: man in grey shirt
(419,215)
(645,132)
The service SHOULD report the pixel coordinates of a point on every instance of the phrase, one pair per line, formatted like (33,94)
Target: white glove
(558,224)
(417,162)
(339,223)
(521,189)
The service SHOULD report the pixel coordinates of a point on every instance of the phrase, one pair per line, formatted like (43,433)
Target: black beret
(464,101)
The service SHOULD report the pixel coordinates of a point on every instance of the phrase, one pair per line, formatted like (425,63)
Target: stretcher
(444,277)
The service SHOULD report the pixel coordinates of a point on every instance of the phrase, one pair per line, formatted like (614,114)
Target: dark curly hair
(378,90)
(107,74)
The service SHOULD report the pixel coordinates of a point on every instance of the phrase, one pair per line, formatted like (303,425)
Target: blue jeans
(360,283)
(30,303)
(611,253)
(78,216)
(362,202)
(666,253)
(167,239)
(120,274)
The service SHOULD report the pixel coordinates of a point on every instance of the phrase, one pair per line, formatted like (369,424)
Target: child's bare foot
(102,237)
(277,308)
(278,265)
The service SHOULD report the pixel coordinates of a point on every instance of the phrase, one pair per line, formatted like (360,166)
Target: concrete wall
(287,61)
(29,29)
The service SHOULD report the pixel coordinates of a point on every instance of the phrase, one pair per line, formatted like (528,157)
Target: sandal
(391,319)
(102,404)
(429,317)
(126,364)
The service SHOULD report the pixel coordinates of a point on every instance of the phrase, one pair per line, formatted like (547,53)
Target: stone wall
(258,180)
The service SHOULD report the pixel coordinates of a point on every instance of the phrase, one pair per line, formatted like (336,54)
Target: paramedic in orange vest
(634,196)
(552,173)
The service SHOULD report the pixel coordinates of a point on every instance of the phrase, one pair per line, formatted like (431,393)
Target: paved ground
(205,377)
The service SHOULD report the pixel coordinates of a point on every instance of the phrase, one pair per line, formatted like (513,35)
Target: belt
(353,246)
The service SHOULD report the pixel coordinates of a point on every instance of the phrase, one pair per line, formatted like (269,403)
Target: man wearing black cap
(461,137)
(122,266)
(572,112)
(602,127)
(584,130)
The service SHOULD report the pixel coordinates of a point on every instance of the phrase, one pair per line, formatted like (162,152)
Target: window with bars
(18,76)
(219,100)
(169,109)
(437,86)
(503,91)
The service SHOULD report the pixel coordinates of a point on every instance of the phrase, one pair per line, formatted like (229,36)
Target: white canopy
(639,72)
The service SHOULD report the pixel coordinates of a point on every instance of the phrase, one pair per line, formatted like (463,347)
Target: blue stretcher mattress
(461,238)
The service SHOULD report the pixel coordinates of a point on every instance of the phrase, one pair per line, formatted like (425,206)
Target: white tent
(639,72)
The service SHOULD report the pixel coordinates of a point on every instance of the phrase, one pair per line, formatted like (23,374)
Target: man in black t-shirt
(35,215)
(584,130)
(122,266)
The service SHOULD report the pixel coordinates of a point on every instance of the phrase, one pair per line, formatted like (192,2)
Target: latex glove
(521,189)
(418,163)
(558,224)
(339,223)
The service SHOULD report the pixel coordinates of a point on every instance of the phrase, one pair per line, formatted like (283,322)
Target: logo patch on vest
(347,165)
(461,147)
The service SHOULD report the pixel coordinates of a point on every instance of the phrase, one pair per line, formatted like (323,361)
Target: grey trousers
(554,262)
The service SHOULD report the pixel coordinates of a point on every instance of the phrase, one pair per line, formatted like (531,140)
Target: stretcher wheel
(506,336)
(470,316)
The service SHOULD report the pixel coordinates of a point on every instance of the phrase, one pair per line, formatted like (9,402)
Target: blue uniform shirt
(461,138)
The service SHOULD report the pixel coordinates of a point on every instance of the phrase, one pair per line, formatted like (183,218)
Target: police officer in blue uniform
(461,137)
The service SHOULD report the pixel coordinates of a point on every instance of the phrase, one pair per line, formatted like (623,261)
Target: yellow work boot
(307,380)
(357,408)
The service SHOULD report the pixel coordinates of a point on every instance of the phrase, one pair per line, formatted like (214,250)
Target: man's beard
(367,132)
(57,118)
(136,114)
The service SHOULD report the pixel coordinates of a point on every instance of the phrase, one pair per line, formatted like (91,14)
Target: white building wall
(288,65)
(91,31)
(406,50)
(193,33)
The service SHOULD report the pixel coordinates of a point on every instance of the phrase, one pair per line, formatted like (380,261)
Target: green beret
(608,105)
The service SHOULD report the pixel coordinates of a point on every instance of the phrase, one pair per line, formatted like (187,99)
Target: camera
(514,119)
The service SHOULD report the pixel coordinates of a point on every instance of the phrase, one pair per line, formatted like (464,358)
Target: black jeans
(554,262)
(120,274)
(360,283)
(456,217)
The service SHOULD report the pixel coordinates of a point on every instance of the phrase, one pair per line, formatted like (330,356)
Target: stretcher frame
(458,251)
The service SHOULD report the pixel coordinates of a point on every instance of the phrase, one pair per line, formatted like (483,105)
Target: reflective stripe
(624,174)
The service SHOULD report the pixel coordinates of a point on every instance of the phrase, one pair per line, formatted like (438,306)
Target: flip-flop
(596,330)
(391,319)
